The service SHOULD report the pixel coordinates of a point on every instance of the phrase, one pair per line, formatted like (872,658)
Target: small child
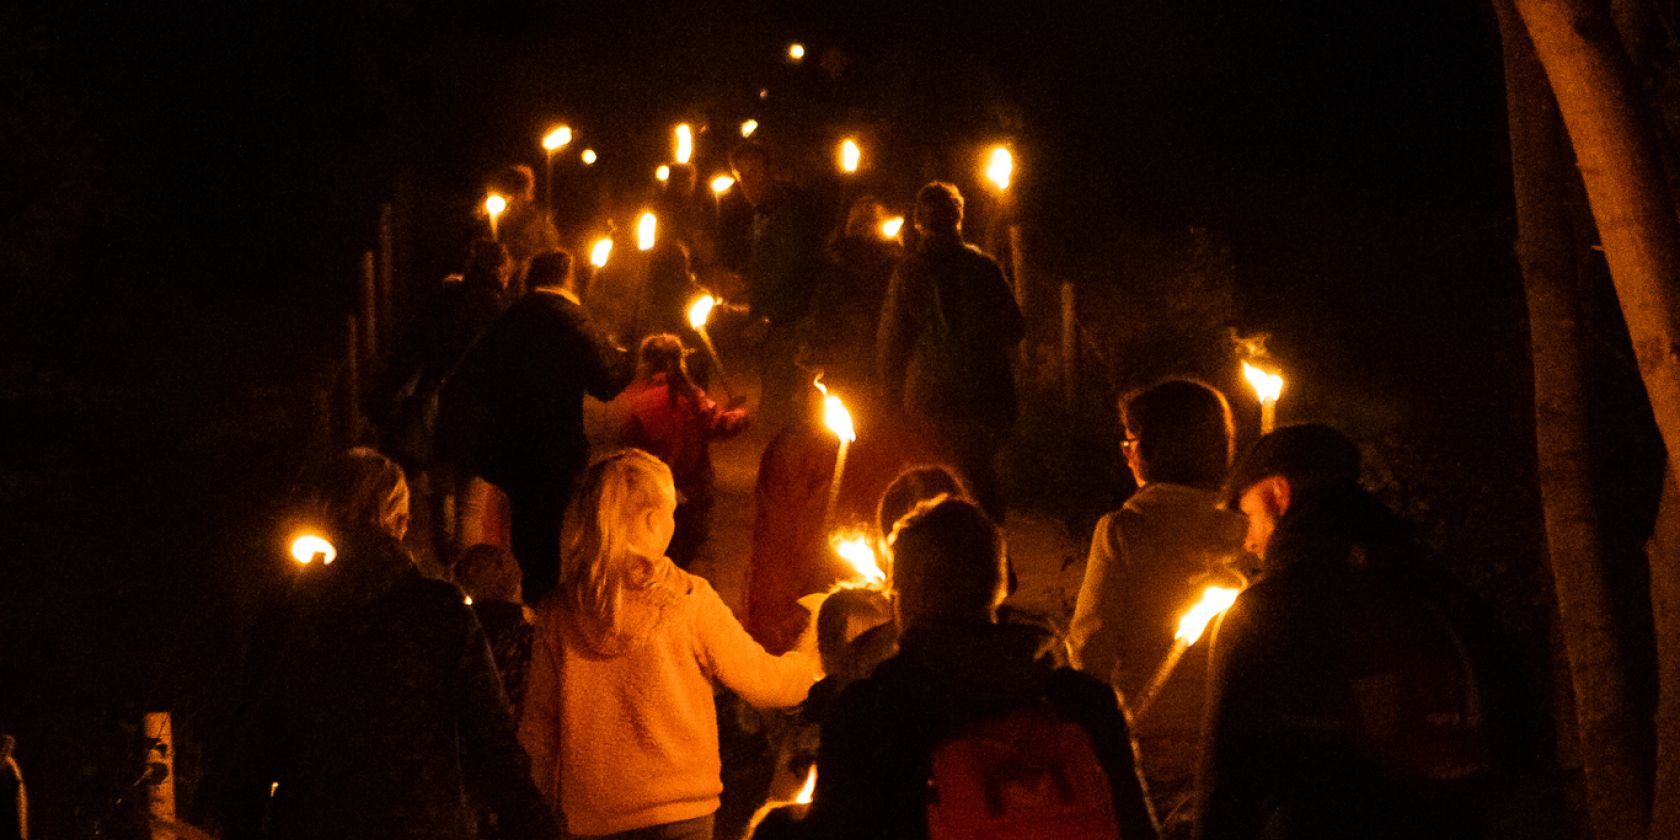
(674,420)
(619,717)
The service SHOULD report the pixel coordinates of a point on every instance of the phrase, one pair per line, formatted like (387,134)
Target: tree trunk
(1545,188)
(1665,612)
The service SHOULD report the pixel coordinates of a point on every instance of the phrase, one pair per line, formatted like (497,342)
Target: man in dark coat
(382,715)
(1318,725)
(942,354)
(955,666)
(528,377)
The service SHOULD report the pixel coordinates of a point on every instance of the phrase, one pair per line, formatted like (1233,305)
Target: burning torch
(699,312)
(1214,602)
(494,206)
(1267,387)
(839,421)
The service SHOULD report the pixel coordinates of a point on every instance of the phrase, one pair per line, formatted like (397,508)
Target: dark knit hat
(1306,453)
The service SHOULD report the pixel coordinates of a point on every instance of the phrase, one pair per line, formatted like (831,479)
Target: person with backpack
(1343,702)
(971,730)
(943,345)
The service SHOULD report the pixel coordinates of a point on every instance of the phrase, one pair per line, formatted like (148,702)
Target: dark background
(187,187)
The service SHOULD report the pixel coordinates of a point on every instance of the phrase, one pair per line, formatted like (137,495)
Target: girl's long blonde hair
(615,596)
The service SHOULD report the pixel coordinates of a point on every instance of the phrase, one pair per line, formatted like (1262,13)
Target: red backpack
(1025,774)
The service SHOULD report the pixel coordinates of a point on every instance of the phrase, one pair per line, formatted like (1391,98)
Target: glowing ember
(700,311)
(599,252)
(809,791)
(860,555)
(1215,600)
(646,226)
(663,173)
(850,155)
(796,51)
(835,416)
(748,127)
(557,139)
(1267,386)
(685,143)
(589,157)
(722,183)
(892,227)
(307,547)
(1000,165)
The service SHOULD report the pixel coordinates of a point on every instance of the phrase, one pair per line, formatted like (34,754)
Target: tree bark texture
(1665,611)
(1544,187)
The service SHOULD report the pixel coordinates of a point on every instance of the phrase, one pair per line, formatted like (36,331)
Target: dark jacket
(528,376)
(1281,756)
(843,339)
(874,761)
(786,258)
(436,340)
(384,716)
(947,329)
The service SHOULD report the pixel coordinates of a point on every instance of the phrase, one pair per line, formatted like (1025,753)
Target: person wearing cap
(1149,561)
(1335,628)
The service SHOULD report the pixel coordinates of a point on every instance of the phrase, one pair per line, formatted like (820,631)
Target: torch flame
(835,415)
(307,547)
(685,143)
(850,155)
(748,127)
(663,173)
(1267,386)
(495,205)
(796,51)
(891,227)
(557,139)
(722,183)
(856,551)
(1215,600)
(809,791)
(1000,165)
(589,157)
(599,252)
(646,227)
(700,311)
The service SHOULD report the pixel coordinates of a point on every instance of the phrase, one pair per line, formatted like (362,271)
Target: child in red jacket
(673,419)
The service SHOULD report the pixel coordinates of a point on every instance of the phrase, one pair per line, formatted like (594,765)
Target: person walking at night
(843,341)
(525,381)
(943,347)
(1148,562)
(969,705)
(382,715)
(784,264)
(1343,701)
(619,714)
(672,418)
(525,228)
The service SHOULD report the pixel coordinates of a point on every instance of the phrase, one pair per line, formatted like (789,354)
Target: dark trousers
(537,507)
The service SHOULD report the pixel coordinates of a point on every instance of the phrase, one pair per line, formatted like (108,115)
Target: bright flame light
(891,227)
(796,51)
(850,155)
(1215,600)
(809,791)
(663,173)
(495,205)
(857,552)
(589,157)
(835,416)
(599,252)
(685,143)
(467,600)
(722,183)
(1267,386)
(700,311)
(307,547)
(748,127)
(558,139)
(1000,165)
(646,227)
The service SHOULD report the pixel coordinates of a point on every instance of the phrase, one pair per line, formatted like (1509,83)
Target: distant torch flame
(685,143)
(646,227)
(557,139)
(599,252)
(495,205)
(1215,600)
(891,227)
(589,157)
(700,311)
(1267,386)
(835,415)
(850,155)
(663,173)
(722,183)
(857,552)
(307,547)
(748,127)
(1000,165)
(809,791)
(796,51)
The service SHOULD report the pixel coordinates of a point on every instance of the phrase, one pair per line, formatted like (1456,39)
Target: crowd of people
(579,678)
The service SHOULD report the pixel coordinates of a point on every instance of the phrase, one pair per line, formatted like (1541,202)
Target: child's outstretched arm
(732,656)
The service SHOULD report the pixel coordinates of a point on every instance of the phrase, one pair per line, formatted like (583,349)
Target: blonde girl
(619,717)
